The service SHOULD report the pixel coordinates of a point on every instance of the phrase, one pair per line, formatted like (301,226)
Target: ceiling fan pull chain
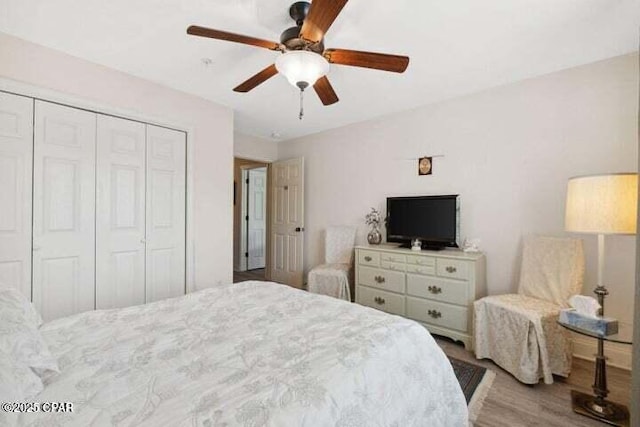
(301,104)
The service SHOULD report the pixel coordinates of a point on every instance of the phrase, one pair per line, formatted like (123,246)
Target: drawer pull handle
(379,279)
(434,313)
(451,269)
(435,289)
(368,258)
(379,300)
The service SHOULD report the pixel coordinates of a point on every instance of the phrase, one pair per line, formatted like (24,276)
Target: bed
(247,354)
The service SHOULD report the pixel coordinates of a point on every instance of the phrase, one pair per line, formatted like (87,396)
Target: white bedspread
(248,354)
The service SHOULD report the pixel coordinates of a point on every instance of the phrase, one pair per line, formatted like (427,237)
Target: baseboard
(618,355)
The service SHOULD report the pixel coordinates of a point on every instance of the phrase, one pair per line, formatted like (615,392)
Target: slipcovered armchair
(332,278)
(519,332)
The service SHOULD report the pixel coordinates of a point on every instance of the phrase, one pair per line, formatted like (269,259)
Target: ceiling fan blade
(195,30)
(320,17)
(325,91)
(378,61)
(257,79)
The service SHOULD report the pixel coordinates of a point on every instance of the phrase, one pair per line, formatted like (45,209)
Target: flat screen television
(432,219)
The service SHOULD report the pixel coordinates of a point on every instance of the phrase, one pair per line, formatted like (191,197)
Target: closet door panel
(166,156)
(16,156)
(64,210)
(120,213)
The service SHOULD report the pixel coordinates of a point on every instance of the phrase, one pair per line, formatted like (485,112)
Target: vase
(374,237)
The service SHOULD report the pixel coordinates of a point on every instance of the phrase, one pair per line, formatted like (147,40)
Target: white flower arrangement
(373,218)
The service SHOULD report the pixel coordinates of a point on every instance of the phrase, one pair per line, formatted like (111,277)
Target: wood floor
(510,403)
(241,276)
(513,404)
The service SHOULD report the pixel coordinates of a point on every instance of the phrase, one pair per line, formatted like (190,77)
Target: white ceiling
(456,47)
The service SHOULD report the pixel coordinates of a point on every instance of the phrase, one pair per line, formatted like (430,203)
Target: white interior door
(64,210)
(244,254)
(166,204)
(256,218)
(287,222)
(120,213)
(16,159)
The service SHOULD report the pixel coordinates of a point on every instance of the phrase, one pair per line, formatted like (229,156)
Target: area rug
(475,382)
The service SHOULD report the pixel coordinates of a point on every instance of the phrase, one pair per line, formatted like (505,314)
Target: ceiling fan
(304,60)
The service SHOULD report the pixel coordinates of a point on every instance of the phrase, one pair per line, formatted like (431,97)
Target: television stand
(424,246)
(436,289)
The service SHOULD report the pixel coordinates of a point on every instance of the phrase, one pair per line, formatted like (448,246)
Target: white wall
(211,136)
(507,151)
(254,148)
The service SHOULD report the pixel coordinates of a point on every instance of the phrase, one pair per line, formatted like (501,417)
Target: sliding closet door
(16,155)
(64,210)
(166,157)
(120,213)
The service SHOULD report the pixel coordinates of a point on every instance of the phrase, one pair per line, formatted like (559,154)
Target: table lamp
(602,204)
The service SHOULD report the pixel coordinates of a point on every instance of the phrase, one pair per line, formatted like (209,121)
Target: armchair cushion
(339,242)
(552,268)
(331,280)
(520,334)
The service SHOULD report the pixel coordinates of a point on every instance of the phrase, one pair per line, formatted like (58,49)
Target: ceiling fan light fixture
(302,68)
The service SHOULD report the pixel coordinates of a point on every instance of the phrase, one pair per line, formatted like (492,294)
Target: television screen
(432,219)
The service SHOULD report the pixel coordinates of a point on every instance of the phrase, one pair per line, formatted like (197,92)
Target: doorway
(250,225)
(255,225)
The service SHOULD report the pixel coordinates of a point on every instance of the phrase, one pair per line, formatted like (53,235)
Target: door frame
(240,200)
(57,97)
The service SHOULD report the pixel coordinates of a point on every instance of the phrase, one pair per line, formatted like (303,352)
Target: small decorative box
(599,325)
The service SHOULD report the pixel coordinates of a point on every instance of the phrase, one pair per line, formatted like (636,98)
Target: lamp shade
(302,66)
(602,204)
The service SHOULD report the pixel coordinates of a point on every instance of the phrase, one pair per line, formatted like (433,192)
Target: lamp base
(605,411)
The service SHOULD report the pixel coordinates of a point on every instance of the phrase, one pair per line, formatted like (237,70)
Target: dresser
(435,288)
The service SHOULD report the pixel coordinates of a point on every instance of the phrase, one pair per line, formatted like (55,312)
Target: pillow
(19,335)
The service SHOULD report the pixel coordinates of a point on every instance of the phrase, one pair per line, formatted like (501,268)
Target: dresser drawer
(421,260)
(419,269)
(369,258)
(395,266)
(452,268)
(436,313)
(437,289)
(385,301)
(393,257)
(382,279)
